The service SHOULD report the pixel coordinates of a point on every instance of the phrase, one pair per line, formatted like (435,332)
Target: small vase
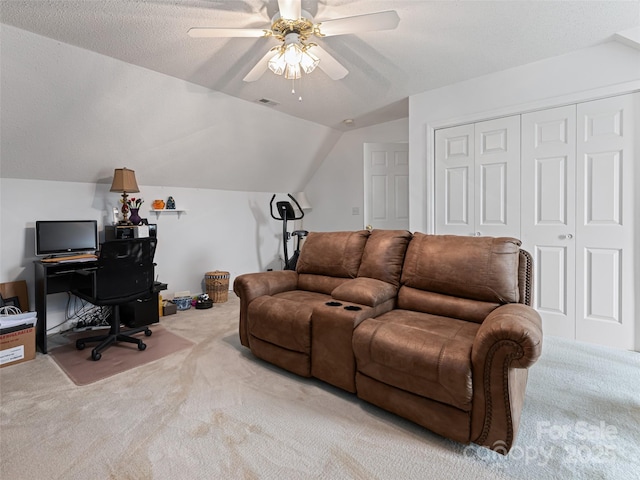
(135,218)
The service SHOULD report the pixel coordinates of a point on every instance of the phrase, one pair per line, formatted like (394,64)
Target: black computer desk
(56,277)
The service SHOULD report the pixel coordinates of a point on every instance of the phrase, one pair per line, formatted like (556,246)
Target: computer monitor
(59,237)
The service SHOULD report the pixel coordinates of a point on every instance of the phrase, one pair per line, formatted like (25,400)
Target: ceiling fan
(293,27)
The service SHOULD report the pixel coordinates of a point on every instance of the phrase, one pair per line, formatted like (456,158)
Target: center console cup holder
(352,308)
(333,304)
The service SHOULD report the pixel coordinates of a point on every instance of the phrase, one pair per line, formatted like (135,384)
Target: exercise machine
(285,213)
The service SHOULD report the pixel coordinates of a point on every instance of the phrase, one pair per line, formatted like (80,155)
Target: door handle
(369,227)
(568,236)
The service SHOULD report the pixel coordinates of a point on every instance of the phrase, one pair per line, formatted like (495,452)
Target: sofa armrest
(365,291)
(250,286)
(507,343)
(514,326)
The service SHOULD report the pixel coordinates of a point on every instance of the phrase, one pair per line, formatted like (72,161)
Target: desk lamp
(124,180)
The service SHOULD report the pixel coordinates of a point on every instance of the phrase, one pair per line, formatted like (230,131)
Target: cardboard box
(169,308)
(17,347)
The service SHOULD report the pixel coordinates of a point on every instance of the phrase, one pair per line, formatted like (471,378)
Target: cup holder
(352,308)
(333,304)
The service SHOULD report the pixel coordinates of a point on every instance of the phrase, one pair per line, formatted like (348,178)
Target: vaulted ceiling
(436,43)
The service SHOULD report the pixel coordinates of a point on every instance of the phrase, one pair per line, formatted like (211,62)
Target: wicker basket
(217,284)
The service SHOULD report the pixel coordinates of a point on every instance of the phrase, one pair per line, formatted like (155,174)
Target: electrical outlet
(355,210)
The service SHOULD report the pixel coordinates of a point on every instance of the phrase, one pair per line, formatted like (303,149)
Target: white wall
(221,230)
(70,114)
(338,184)
(597,71)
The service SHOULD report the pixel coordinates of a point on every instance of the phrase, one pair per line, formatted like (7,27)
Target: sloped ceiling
(436,43)
(92,85)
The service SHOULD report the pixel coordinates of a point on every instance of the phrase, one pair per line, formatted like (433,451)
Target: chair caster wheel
(147,333)
(80,345)
(141,345)
(96,356)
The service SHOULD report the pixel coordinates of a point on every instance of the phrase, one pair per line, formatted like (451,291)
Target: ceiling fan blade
(210,32)
(259,68)
(360,23)
(328,64)
(290,9)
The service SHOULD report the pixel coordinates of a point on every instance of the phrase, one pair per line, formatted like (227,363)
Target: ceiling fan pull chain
(293,89)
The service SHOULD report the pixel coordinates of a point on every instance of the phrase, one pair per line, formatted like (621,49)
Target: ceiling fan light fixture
(292,54)
(277,64)
(308,61)
(292,72)
(292,58)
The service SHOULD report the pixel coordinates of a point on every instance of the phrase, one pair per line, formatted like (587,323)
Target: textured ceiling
(437,43)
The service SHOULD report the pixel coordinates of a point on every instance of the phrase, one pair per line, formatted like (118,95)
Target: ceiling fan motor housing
(302,26)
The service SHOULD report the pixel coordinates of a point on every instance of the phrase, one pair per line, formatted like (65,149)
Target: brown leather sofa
(437,329)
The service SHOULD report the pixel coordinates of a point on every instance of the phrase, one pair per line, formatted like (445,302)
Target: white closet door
(478,179)
(548,213)
(497,177)
(604,235)
(455,169)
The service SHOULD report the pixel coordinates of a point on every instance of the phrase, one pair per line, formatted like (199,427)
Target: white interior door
(477,169)
(604,235)
(386,185)
(497,177)
(455,174)
(548,213)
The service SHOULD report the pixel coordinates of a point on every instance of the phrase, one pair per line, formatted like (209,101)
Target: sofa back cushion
(335,254)
(384,255)
(476,268)
(444,305)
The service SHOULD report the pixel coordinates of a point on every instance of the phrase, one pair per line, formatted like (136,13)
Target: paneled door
(604,232)
(548,213)
(497,178)
(386,185)
(455,180)
(577,217)
(478,178)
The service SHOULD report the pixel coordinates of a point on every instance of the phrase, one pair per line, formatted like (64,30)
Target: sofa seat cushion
(281,322)
(302,296)
(424,354)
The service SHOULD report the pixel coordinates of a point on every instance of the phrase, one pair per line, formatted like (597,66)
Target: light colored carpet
(118,358)
(213,411)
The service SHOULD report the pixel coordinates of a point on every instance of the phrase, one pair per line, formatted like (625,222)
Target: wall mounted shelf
(179,211)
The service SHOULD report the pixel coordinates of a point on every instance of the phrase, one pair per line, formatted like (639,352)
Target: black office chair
(124,273)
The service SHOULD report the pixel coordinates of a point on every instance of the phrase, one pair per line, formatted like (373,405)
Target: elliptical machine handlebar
(286,212)
(285,209)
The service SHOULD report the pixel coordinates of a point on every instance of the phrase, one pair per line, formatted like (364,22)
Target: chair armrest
(250,286)
(506,344)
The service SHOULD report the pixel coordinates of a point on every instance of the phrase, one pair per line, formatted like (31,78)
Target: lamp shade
(124,180)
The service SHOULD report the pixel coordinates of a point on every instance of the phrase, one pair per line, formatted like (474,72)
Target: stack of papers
(12,323)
